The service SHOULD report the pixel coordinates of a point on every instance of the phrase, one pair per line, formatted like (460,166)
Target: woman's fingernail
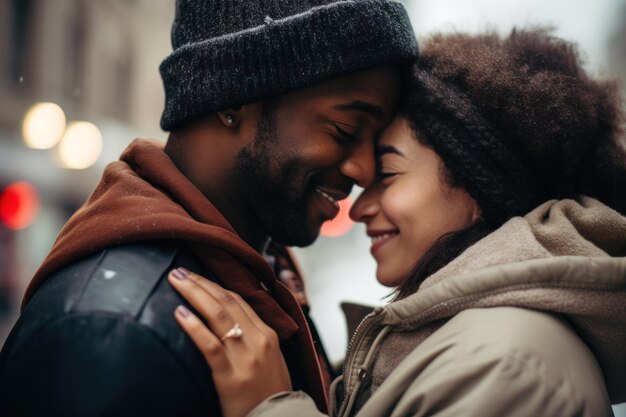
(180,273)
(183,311)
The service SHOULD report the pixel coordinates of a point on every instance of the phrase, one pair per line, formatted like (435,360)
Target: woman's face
(410,205)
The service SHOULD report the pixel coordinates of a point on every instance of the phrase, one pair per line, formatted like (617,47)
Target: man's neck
(209,178)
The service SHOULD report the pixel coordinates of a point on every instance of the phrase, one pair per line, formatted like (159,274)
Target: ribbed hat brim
(282,55)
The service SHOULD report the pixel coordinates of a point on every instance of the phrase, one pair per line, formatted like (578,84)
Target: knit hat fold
(274,54)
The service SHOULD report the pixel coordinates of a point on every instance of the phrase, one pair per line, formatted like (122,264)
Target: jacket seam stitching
(156,285)
(87,281)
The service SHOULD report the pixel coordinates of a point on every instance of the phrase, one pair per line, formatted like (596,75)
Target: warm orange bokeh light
(19,205)
(340,224)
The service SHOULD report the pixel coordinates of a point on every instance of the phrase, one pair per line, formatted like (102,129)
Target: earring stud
(229,119)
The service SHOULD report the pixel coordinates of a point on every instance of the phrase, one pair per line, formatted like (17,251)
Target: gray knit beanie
(232,52)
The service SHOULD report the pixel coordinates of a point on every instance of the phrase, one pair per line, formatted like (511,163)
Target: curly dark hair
(517,121)
(525,109)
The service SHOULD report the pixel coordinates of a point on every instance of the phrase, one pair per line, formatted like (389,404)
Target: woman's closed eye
(385,176)
(389,163)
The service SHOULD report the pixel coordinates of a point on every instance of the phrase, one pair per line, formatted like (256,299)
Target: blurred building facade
(97,60)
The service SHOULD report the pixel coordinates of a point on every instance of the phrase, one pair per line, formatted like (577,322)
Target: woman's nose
(367,205)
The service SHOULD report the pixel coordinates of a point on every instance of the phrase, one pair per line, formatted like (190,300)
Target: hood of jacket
(565,257)
(144,197)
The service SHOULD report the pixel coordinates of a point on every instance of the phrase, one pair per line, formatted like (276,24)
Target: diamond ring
(235,332)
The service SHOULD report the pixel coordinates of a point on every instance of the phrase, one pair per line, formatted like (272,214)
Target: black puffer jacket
(99,339)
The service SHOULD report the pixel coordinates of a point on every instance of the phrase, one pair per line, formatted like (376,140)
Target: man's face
(310,148)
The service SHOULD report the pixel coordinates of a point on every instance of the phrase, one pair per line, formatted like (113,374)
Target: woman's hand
(247,366)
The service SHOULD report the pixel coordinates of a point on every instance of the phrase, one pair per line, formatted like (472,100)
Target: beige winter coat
(530,321)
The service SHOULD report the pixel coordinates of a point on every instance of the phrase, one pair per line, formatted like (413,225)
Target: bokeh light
(81,145)
(19,205)
(340,224)
(43,125)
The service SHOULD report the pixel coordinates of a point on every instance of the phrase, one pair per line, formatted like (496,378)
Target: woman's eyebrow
(385,149)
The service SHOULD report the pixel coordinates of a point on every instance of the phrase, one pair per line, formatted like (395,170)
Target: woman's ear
(230,117)
(477,213)
(472,209)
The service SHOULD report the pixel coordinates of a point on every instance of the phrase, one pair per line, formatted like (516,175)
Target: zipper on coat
(349,359)
(376,311)
(352,383)
(362,371)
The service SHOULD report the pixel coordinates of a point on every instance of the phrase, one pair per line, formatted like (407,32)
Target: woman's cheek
(393,203)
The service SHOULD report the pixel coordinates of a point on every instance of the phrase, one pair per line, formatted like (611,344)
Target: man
(273,107)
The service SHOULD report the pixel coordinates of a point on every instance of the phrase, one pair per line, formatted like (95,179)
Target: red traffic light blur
(340,224)
(19,205)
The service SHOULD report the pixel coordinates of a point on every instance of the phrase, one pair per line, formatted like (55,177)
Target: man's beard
(283,203)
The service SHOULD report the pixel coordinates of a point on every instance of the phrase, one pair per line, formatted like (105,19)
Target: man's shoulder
(117,280)
(110,313)
(127,281)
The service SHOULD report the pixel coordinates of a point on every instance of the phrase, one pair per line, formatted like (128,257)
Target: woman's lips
(379,239)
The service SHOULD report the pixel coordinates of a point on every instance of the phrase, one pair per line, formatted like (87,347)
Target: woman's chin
(387,280)
(393,275)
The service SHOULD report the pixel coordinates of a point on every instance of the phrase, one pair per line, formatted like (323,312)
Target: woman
(496,216)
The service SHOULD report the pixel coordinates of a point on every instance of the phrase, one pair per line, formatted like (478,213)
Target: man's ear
(230,117)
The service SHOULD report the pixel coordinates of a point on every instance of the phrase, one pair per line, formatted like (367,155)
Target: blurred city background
(79,80)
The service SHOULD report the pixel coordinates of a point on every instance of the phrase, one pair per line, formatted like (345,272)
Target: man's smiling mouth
(328,197)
